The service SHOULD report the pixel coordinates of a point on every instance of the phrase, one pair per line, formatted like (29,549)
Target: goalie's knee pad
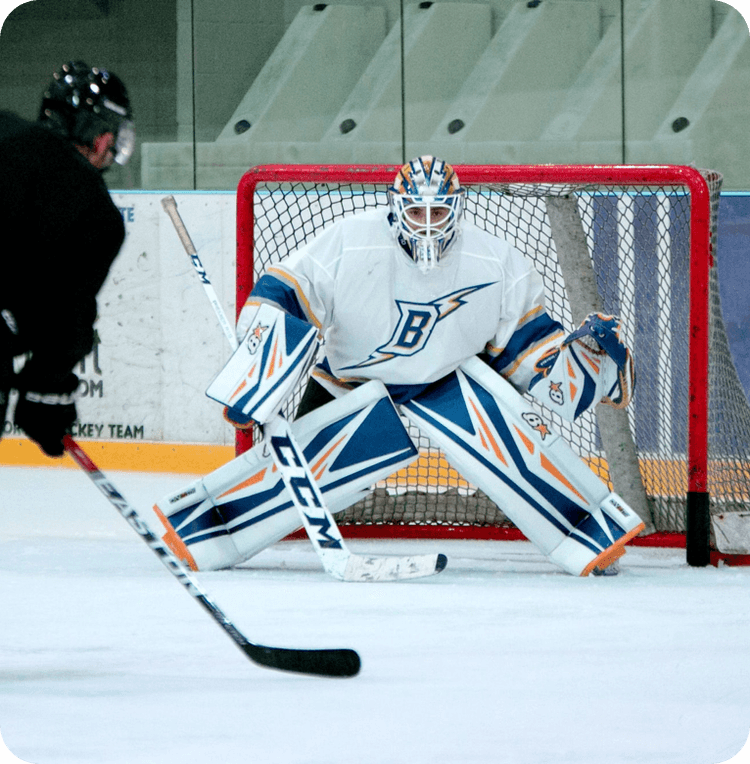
(491,434)
(243,507)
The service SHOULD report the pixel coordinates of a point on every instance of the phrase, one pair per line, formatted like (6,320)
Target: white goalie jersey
(382,318)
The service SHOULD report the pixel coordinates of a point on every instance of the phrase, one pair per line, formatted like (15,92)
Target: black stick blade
(341,662)
(337,662)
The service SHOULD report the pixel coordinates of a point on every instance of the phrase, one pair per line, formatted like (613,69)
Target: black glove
(8,349)
(6,382)
(46,416)
(4,393)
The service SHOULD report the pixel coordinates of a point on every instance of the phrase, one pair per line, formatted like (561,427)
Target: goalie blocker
(269,361)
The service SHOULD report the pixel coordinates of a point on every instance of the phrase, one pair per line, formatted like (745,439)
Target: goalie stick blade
(341,662)
(361,569)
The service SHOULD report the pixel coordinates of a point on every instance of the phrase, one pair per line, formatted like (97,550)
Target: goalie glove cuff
(622,392)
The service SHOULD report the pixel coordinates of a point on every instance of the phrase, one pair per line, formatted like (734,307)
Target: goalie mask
(426,206)
(83,102)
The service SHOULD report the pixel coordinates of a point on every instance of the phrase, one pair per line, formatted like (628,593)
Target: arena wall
(142,404)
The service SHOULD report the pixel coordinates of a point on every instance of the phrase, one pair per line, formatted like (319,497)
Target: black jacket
(60,233)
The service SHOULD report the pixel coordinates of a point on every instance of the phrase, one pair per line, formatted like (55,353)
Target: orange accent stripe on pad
(314,467)
(547,464)
(175,543)
(488,433)
(272,365)
(526,441)
(256,478)
(239,387)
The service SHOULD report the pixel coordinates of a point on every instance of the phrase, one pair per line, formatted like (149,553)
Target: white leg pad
(192,510)
(243,507)
(497,441)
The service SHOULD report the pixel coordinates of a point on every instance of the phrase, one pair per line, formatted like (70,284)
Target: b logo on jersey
(416,323)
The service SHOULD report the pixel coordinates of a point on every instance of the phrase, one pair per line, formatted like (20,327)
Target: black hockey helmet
(83,102)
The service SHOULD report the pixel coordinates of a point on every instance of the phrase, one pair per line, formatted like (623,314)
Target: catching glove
(601,334)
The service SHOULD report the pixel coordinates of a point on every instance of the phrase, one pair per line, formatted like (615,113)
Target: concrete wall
(489,82)
(345,37)
(230,43)
(500,81)
(161,346)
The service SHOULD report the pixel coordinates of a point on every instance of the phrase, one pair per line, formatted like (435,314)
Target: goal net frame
(557,181)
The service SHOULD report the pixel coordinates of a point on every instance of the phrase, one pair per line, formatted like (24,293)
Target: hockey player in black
(61,234)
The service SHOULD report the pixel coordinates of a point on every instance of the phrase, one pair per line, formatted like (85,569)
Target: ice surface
(500,658)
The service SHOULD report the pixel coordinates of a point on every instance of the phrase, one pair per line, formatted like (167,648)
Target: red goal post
(634,219)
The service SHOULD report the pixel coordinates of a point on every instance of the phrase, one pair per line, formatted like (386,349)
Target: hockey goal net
(638,242)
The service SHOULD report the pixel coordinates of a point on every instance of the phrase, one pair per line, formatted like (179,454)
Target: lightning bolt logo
(416,323)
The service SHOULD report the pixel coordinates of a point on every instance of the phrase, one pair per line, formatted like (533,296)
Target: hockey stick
(341,662)
(295,472)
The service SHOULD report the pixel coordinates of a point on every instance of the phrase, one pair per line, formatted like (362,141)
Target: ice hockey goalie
(427,318)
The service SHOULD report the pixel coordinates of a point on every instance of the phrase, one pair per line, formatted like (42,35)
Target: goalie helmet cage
(650,236)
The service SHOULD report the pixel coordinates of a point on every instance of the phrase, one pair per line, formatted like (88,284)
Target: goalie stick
(303,489)
(335,662)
